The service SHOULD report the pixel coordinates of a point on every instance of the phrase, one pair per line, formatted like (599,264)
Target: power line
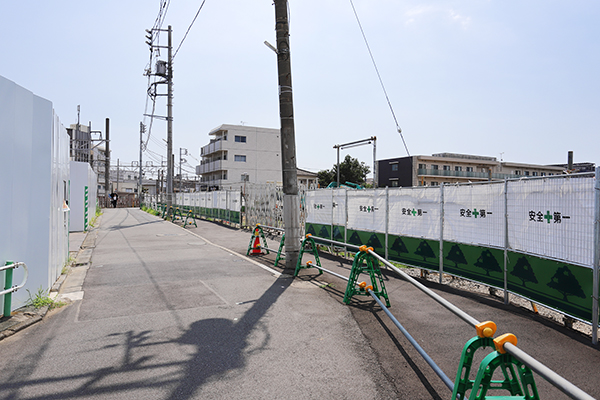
(188,29)
(379,76)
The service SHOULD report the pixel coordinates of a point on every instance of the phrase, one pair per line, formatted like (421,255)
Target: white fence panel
(474,214)
(415,212)
(553,217)
(319,207)
(366,210)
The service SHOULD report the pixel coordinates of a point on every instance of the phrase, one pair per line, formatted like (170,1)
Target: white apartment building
(240,154)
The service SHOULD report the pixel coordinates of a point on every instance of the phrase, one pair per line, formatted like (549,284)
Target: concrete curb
(24,317)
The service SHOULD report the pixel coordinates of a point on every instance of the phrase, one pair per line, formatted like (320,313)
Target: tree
(566,283)
(456,256)
(351,170)
(325,177)
(523,271)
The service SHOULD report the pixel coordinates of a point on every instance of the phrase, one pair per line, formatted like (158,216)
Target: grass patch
(41,299)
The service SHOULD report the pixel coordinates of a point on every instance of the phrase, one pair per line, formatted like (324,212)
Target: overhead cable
(379,76)
(188,29)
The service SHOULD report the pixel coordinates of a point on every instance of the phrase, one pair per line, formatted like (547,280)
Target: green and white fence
(224,205)
(537,237)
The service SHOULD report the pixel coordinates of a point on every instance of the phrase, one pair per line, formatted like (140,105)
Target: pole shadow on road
(220,347)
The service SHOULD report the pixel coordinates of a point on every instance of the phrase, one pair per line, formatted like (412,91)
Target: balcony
(210,167)
(211,148)
(463,174)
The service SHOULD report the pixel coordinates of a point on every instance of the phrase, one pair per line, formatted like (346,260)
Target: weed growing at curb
(41,299)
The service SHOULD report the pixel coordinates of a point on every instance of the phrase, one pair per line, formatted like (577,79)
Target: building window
(239,158)
(422,166)
(543,174)
(526,173)
(446,168)
(245,177)
(517,172)
(534,173)
(469,169)
(394,167)
(225,136)
(458,168)
(435,184)
(225,175)
(225,155)
(240,139)
(434,166)
(394,183)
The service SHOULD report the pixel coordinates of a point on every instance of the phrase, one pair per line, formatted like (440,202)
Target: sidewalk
(171,315)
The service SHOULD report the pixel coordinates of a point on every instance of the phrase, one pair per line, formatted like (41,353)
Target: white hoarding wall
(474,214)
(367,210)
(35,181)
(415,212)
(553,218)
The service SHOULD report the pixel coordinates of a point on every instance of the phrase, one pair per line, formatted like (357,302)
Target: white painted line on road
(271,270)
(215,292)
(71,296)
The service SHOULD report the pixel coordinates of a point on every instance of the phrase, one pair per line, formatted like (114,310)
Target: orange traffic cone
(256,246)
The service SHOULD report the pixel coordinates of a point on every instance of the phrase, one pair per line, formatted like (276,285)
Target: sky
(515,80)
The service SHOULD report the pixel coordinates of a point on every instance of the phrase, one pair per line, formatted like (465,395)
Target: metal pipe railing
(15,287)
(336,243)
(447,381)
(552,377)
(9,288)
(555,379)
(271,227)
(455,310)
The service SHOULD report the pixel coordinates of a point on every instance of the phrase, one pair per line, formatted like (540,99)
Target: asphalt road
(169,313)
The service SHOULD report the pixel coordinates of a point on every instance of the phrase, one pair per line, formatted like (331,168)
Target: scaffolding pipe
(555,379)
(455,310)
(447,381)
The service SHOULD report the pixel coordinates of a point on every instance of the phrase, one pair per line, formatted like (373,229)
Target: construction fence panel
(474,214)
(553,218)
(532,237)
(415,212)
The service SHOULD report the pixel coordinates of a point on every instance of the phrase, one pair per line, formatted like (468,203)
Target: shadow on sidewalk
(220,347)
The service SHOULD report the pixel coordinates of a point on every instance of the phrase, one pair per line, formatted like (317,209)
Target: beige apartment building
(452,168)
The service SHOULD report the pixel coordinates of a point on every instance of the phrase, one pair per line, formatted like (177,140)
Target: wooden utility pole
(291,200)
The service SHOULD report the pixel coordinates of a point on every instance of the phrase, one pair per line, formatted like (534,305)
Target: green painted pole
(8,277)
(86,212)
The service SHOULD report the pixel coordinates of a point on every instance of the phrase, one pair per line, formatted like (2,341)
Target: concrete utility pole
(291,200)
(142,130)
(107,164)
(170,167)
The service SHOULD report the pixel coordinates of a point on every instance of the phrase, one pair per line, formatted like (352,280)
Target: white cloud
(419,12)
